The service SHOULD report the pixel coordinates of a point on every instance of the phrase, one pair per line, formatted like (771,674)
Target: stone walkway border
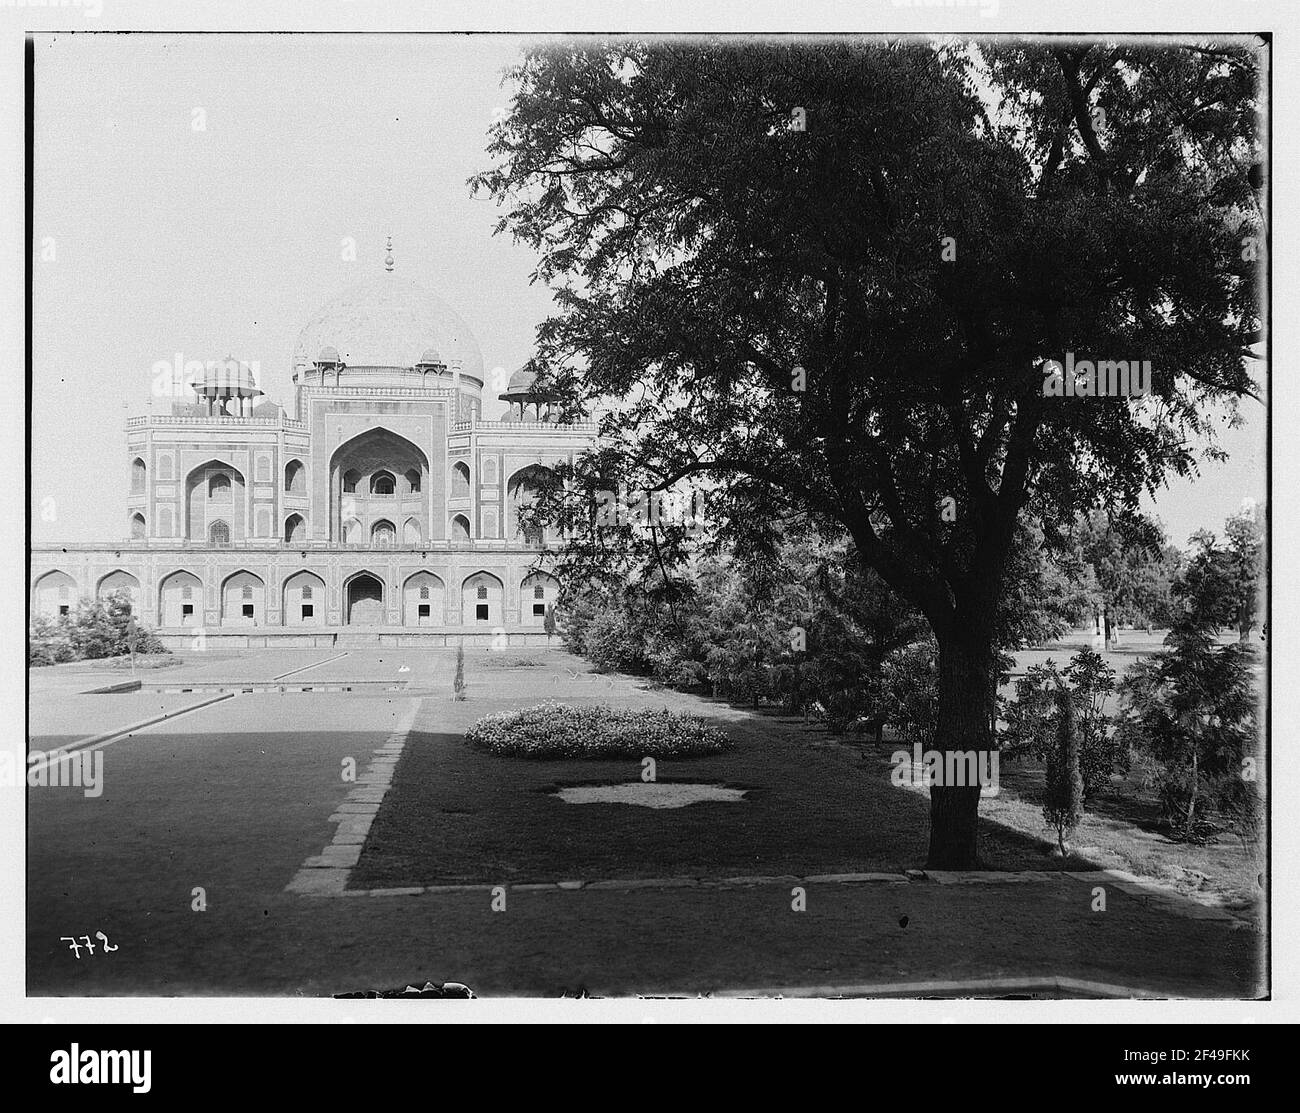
(327,873)
(1166,901)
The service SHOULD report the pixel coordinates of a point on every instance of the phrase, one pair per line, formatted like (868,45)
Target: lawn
(457,815)
(813,804)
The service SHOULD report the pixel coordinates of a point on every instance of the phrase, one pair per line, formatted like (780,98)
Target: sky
(154,236)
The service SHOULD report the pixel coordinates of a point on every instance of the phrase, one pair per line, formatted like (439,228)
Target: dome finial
(388,261)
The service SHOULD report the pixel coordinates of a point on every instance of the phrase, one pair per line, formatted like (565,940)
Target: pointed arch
(243,599)
(363,471)
(460,482)
(295,529)
(119,580)
(139,476)
(295,477)
(139,529)
(423,599)
(364,595)
(54,593)
(522,490)
(303,599)
(460,534)
(538,592)
(225,481)
(482,596)
(180,599)
(383,534)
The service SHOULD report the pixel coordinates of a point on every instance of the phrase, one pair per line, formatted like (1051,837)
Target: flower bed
(557,730)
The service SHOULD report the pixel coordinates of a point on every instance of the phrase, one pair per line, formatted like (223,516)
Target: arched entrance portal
(365,597)
(364,486)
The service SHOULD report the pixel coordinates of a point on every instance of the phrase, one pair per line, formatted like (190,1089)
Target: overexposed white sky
(224,241)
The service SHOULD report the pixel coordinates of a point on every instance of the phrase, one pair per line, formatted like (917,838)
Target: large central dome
(388,322)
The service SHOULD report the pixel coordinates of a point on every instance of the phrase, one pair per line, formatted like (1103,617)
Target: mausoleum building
(382,508)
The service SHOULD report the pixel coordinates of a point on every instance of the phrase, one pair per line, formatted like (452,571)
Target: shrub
(557,730)
(498,661)
(845,708)
(613,644)
(1193,709)
(97,628)
(1032,719)
(1063,800)
(49,642)
(671,665)
(458,684)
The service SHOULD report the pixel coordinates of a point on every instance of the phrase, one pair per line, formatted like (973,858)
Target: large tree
(823,278)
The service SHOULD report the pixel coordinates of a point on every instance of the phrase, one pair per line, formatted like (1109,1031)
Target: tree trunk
(966,679)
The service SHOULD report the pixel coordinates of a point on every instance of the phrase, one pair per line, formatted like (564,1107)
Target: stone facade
(384,509)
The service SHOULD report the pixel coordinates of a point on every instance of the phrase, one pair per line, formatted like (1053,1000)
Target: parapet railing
(542,426)
(222,419)
(294,423)
(479,544)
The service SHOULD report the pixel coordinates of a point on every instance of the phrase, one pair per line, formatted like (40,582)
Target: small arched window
(219,488)
(137,526)
(187,592)
(413,481)
(293,476)
(350,480)
(219,534)
(247,592)
(459,480)
(482,592)
(539,592)
(137,476)
(306,591)
(383,535)
(381,483)
(424,593)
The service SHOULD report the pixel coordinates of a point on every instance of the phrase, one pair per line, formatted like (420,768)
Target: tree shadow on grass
(456,815)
